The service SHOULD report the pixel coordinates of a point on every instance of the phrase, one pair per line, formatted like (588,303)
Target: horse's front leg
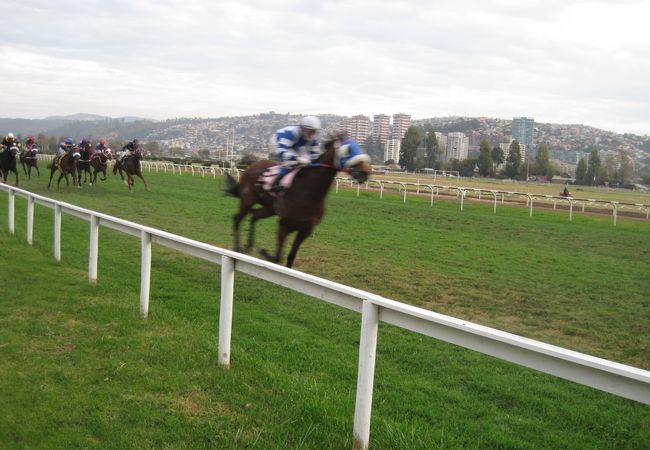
(303,233)
(257,214)
(283,232)
(143,180)
(38,172)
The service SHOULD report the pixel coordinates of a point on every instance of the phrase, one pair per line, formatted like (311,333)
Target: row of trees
(491,161)
(592,172)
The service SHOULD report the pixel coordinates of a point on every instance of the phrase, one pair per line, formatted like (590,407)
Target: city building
(381,128)
(522,131)
(457,146)
(392,148)
(358,127)
(401,123)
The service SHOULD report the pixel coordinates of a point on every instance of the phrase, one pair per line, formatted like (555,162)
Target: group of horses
(81,160)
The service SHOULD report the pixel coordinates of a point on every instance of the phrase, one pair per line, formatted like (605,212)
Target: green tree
(431,146)
(581,172)
(513,161)
(409,148)
(485,166)
(611,169)
(204,153)
(593,168)
(248,159)
(625,170)
(543,162)
(152,148)
(498,157)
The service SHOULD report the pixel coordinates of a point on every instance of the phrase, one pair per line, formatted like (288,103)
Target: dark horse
(66,164)
(131,164)
(301,207)
(8,162)
(99,163)
(28,160)
(83,164)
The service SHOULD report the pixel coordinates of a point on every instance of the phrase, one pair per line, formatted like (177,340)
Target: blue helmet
(68,141)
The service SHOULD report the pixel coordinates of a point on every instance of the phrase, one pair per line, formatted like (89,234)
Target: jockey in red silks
(296,146)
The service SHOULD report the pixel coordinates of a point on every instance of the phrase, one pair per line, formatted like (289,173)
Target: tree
(593,168)
(248,159)
(409,148)
(513,162)
(498,156)
(611,171)
(431,146)
(485,166)
(625,171)
(152,148)
(542,162)
(581,172)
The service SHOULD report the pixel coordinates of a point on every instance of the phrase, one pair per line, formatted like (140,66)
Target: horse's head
(14,150)
(350,157)
(108,153)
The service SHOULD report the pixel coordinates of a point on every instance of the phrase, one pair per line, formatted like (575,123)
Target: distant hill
(78,117)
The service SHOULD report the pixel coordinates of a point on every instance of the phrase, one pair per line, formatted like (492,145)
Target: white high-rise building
(457,146)
(392,148)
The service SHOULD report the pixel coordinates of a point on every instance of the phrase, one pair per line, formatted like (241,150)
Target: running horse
(83,163)
(66,164)
(28,159)
(99,163)
(8,162)
(302,206)
(132,165)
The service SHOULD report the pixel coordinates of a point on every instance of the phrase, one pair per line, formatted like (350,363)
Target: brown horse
(66,164)
(300,208)
(131,164)
(28,159)
(99,163)
(83,163)
(8,162)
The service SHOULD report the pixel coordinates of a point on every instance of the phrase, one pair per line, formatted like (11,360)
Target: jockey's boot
(276,186)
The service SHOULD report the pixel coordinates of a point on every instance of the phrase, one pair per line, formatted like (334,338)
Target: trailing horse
(28,159)
(301,207)
(66,164)
(83,163)
(8,162)
(132,165)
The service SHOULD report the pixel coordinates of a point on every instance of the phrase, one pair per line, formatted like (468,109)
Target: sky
(558,61)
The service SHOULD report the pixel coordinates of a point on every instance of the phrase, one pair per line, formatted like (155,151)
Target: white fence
(619,379)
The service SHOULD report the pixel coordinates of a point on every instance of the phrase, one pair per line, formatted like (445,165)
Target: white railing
(619,379)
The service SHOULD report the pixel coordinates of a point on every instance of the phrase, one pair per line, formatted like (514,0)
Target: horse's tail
(232,187)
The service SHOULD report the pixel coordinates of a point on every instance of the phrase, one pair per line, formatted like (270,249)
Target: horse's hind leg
(142,178)
(256,214)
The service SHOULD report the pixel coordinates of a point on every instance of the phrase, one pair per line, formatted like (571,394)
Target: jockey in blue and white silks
(295,145)
(349,153)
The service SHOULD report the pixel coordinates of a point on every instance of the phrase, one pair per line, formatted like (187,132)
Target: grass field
(79,369)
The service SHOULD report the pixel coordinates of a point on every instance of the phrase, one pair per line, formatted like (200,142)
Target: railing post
(145,273)
(366,375)
(337,186)
(10,211)
(94,249)
(30,219)
(57,232)
(225,310)
(530,199)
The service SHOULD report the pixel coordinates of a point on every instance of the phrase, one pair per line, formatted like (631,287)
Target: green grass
(80,369)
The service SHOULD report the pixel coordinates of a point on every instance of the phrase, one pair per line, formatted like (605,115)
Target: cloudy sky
(561,61)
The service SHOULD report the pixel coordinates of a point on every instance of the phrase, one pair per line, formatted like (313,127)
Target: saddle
(266,179)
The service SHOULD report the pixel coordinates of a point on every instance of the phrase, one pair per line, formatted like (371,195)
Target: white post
(30,219)
(381,191)
(358,186)
(366,375)
(225,310)
(94,249)
(495,203)
(57,232)
(462,198)
(337,185)
(10,211)
(570,211)
(530,199)
(614,211)
(145,272)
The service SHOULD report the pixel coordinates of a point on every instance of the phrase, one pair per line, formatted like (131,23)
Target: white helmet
(10,135)
(310,123)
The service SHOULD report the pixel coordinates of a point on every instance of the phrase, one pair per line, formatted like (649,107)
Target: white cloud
(558,61)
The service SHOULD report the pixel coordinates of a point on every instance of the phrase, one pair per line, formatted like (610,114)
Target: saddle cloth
(269,175)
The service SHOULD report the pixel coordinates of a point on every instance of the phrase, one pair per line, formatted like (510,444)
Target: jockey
(8,142)
(296,146)
(101,146)
(29,143)
(349,152)
(65,146)
(129,148)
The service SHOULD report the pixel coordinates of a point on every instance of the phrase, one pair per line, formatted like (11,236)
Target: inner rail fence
(434,190)
(619,379)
